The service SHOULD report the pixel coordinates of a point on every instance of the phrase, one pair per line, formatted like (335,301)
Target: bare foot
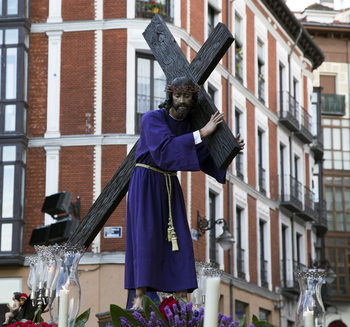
(138,304)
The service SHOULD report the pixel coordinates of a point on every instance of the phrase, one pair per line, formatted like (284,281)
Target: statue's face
(182,103)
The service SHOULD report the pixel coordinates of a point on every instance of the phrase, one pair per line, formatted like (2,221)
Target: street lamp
(225,239)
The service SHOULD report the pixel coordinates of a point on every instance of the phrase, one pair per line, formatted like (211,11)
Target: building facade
(71,111)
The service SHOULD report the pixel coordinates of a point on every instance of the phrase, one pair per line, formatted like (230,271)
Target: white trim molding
(55,8)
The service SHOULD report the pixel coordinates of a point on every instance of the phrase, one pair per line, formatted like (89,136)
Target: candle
(63,308)
(50,277)
(308,318)
(212,294)
(34,282)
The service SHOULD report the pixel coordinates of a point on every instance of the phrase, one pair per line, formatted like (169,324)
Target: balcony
(291,194)
(261,89)
(144,9)
(262,180)
(305,134)
(321,223)
(333,104)
(288,111)
(240,263)
(317,141)
(309,213)
(239,167)
(289,283)
(263,273)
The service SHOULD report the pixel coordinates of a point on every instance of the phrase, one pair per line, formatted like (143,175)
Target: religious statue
(18,301)
(159,250)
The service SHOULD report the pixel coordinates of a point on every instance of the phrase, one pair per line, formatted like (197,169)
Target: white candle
(63,308)
(34,282)
(212,294)
(50,277)
(308,318)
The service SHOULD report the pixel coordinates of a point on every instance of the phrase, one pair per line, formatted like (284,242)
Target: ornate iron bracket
(204,224)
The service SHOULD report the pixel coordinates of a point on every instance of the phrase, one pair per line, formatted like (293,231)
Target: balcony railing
(317,140)
(305,133)
(263,273)
(333,104)
(240,263)
(288,111)
(261,89)
(262,180)
(291,194)
(289,283)
(321,224)
(239,167)
(309,213)
(144,10)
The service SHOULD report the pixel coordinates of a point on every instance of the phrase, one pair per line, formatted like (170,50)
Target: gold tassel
(174,243)
(170,233)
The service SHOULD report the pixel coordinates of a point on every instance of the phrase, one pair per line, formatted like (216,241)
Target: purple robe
(167,144)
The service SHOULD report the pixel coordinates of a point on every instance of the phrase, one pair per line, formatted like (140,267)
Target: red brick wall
(250,143)
(112,157)
(114,81)
(184,11)
(183,183)
(272,73)
(273,161)
(197,20)
(39,11)
(37,96)
(114,9)
(275,246)
(78,10)
(77,82)
(184,47)
(250,51)
(35,193)
(253,245)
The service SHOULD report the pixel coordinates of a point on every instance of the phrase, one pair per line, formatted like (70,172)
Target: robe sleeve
(208,165)
(169,152)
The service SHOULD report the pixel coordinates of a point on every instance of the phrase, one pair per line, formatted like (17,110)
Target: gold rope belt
(171,230)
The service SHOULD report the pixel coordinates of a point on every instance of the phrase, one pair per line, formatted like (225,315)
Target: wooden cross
(222,145)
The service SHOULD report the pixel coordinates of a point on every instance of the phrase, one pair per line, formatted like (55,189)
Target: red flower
(168,302)
(153,2)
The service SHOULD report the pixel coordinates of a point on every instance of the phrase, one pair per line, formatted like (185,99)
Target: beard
(182,112)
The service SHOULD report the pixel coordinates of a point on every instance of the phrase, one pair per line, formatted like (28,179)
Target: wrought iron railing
(309,203)
(262,180)
(288,107)
(288,279)
(261,89)
(145,9)
(240,263)
(263,273)
(291,191)
(305,126)
(317,135)
(239,167)
(333,104)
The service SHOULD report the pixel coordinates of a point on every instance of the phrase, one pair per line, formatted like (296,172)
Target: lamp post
(225,239)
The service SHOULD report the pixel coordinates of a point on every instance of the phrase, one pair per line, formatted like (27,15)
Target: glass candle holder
(32,283)
(310,310)
(64,304)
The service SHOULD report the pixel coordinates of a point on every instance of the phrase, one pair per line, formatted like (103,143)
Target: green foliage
(241,321)
(82,319)
(117,312)
(147,302)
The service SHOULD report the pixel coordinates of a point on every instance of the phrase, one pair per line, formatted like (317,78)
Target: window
(284,256)
(261,70)
(299,246)
(163,7)
(150,85)
(264,314)
(281,89)
(240,310)
(239,247)
(211,19)
(213,251)
(262,172)
(211,92)
(263,261)
(282,172)
(239,158)
(238,49)
(338,204)
(296,185)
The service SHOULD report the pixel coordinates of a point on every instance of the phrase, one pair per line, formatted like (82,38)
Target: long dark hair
(17,295)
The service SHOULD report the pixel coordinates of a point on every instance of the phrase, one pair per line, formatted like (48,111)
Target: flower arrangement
(173,312)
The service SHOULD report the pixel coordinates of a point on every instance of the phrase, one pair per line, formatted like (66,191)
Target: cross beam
(221,144)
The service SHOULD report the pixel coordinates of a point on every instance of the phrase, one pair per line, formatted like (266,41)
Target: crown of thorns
(183,88)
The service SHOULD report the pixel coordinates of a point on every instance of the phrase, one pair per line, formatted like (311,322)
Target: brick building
(78,76)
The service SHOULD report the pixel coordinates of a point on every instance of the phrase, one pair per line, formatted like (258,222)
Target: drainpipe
(229,181)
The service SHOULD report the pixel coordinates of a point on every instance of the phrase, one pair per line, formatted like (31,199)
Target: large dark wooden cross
(222,145)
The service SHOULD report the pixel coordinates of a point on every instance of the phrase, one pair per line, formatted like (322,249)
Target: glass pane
(10,118)
(347,180)
(345,122)
(346,139)
(327,138)
(328,160)
(11,36)
(8,191)
(346,160)
(348,224)
(11,73)
(24,120)
(340,223)
(7,285)
(1,31)
(6,237)
(341,261)
(24,156)
(343,286)
(1,15)
(347,198)
(9,153)
(338,160)
(338,180)
(330,241)
(326,121)
(159,85)
(26,39)
(336,122)
(340,241)
(314,97)
(12,7)
(21,214)
(330,220)
(143,85)
(338,199)
(329,198)
(25,84)
(336,139)
(329,180)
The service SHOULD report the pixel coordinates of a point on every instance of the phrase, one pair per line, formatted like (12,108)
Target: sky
(300,5)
